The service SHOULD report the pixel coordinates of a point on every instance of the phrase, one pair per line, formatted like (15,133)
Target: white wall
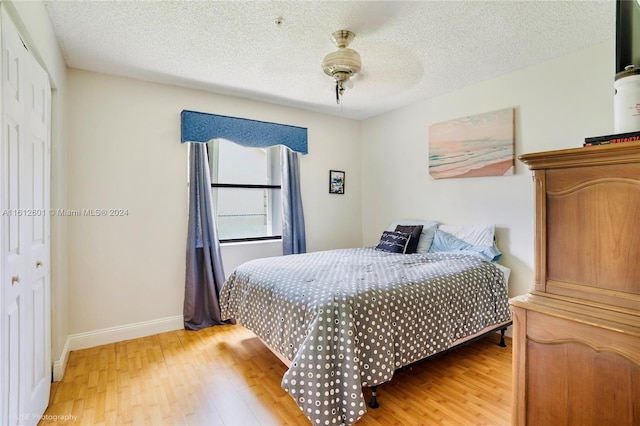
(558,103)
(117,146)
(124,152)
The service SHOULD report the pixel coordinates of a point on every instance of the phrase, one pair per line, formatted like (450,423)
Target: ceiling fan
(342,64)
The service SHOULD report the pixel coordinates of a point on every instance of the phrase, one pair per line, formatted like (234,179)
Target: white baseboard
(60,364)
(111,335)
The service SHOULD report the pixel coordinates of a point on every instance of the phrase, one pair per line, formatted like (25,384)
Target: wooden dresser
(576,338)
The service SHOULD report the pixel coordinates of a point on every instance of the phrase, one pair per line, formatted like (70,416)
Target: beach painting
(474,146)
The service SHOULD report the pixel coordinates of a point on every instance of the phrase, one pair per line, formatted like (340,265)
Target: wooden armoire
(576,338)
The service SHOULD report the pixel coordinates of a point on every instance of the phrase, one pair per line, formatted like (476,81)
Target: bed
(346,319)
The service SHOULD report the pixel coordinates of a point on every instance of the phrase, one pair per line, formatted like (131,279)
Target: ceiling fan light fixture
(343,60)
(342,64)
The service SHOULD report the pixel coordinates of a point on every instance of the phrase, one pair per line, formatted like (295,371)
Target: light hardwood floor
(224,375)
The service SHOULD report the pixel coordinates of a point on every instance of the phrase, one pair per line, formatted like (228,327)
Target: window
(245,190)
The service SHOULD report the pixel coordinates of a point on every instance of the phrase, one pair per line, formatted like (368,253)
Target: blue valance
(202,127)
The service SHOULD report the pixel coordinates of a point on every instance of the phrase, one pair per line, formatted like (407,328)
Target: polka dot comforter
(349,318)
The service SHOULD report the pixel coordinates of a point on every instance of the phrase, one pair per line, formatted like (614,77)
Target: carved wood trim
(519,366)
(628,356)
(599,297)
(590,183)
(621,153)
(540,239)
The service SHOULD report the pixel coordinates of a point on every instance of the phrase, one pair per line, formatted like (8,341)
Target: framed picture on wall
(336,182)
(474,146)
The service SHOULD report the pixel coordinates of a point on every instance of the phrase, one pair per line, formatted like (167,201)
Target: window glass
(245,191)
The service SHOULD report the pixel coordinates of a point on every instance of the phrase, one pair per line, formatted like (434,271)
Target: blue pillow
(393,242)
(445,242)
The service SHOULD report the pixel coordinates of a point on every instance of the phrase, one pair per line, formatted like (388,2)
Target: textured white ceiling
(411,50)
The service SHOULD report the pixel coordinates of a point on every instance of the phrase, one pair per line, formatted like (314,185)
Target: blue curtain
(293,234)
(205,273)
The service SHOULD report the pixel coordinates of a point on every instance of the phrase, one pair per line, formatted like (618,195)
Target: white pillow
(426,237)
(477,235)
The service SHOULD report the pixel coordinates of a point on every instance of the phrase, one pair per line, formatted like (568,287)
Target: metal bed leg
(374,401)
(502,344)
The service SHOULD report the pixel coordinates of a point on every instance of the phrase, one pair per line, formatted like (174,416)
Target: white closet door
(13,251)
(25,348)
(37,237)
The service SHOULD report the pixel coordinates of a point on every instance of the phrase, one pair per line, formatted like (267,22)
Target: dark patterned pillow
(393,242)
(414,231)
